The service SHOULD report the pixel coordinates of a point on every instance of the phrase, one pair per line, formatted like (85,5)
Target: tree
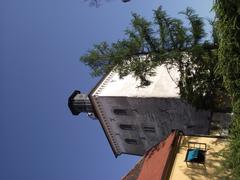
(228,28)
(165,40)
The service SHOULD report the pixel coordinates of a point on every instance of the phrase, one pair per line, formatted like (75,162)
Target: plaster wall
(163,84)
(212,168)
(161,114)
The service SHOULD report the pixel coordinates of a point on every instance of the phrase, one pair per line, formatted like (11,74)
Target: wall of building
(212,168)
(147,121)
(144,115)
(163,84)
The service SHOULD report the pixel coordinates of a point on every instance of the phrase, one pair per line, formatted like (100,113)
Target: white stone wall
(163,84)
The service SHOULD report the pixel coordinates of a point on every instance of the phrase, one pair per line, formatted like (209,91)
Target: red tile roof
(155,163)
(134,173)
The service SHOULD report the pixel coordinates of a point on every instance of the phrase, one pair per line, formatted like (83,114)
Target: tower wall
(147,121)
(136,118)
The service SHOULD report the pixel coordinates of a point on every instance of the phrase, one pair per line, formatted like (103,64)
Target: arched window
(126,127)
(131,141)
(120,111)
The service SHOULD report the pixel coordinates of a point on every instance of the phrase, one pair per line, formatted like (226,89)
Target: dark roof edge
(135,154)
(104,130)
(206,136)
(99,82)
(97,114)
(172,154)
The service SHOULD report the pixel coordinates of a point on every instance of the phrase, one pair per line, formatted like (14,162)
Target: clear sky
(40,45)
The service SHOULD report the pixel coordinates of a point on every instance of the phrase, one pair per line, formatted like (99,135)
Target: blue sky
(41,42)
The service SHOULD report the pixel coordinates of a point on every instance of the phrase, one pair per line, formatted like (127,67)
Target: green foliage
(196,29)
(228,29)
(165,40)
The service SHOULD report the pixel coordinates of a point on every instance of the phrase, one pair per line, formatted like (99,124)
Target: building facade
(136,118)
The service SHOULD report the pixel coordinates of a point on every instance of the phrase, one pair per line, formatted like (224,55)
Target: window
(131,141)
(149,129)
(196,153)
(126,127)
(120,111)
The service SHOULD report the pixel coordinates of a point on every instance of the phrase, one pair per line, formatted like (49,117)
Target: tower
(135,118)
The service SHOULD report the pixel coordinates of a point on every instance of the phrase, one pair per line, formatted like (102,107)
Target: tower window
(126,127)
(131,141)
(149,129)
(120,111)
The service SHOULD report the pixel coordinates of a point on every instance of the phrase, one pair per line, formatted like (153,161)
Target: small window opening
(126,126)
(120,111)
(149,129)
(196,153)
(131,141)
